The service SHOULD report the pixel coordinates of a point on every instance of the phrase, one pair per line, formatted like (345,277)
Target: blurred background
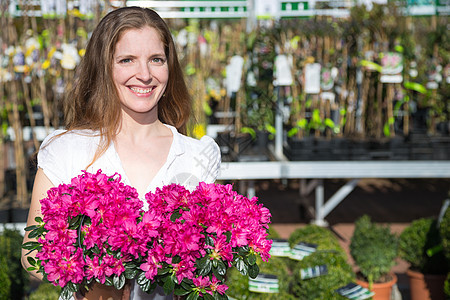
(272,81)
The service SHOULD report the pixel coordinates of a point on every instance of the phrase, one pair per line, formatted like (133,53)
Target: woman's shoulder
(205,144)
(66,138)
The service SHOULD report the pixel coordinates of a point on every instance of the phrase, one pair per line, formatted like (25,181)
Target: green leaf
(218,296)
(207,296)
(292,132)
(415,87)
(253,271)
(386,130)
(108,281)
(32,227)
(32,269)
(251,259)
(175,216)
(329,123)
(206,268)
(66,294)
(39,220)
(72,287)
(192,296)
(119,281)
(202,262)
(302,123)
(130,273)
(163,271)
(148,286)
(244,250)
(250,131)
(228,235)
(37,232)
(371,64)
(270,129)
(181,291)
(30,245)
(209,241)
(32,261)
(141,279)
(241,266)
(169,285)
(221,268)
(176,259)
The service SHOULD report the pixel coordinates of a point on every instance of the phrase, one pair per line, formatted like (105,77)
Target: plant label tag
(234,74)
(283,76)
(280,248)
(312,272)
(355,292)
(264,283)
(301,250)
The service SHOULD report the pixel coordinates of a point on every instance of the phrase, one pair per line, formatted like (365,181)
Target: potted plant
(420,244)
(444,230)
(329,258)
(239,286)
(374,250)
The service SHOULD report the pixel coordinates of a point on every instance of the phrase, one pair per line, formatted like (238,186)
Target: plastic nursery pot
(426,286)
(382,290)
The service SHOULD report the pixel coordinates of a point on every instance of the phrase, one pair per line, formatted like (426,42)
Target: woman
(123,115)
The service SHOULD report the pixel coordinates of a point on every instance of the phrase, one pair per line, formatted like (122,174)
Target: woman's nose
(144,72)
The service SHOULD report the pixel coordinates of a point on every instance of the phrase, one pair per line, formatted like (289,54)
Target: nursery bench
(320,170)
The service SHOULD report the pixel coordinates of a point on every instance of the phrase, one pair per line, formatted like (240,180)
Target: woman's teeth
(140,90)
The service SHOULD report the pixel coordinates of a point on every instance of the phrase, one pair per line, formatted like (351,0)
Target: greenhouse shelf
(320,170)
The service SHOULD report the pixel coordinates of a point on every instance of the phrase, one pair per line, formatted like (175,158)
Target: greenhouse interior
(334,115)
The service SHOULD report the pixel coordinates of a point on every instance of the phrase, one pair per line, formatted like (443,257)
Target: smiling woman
(126,115)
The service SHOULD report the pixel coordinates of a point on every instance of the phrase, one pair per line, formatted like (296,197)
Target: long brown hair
(94,103)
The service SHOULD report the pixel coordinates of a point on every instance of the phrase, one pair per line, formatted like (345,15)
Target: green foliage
(238,285)
(328,253)
(414,243)
(45,291)
(374,249)
(5,286)
(11,250)
(444,230)
(447,286)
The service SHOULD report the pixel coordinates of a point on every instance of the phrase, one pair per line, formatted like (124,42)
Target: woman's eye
(158,61)
(125,60)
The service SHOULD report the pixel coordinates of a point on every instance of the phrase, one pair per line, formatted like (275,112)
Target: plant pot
(426,286)
(382,291)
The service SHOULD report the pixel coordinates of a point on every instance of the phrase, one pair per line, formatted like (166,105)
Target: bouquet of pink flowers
(95,229)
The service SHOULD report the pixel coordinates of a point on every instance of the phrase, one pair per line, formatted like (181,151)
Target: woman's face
(140,71)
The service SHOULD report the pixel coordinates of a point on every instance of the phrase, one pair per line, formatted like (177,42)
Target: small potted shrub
(374,250)
(238,285)
(420,245)
(10,250)
(444,230)
(328,253)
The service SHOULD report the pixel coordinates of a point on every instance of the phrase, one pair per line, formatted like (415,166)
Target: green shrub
(444,230)
(5,286)
(11,249)
(45,291)
(329,253)
(238,284)
(374,249)
(415,243)
(447,286)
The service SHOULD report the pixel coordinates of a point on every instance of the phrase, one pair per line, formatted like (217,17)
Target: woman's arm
(41,185)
